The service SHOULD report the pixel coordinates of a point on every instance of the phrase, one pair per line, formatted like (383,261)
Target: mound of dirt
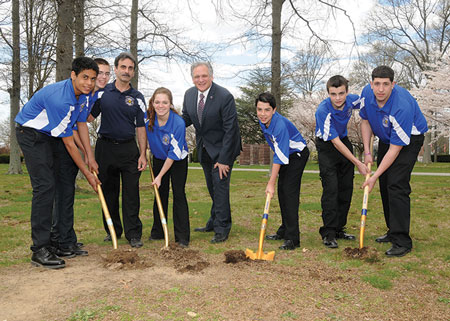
(367,254)
(124,259)
(184,260)
(235,256)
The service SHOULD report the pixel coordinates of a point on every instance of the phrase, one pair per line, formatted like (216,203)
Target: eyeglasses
(106,74)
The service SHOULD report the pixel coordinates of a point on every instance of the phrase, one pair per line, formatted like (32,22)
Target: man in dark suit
(212,111)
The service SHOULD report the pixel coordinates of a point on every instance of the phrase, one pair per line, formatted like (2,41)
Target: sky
(202,25)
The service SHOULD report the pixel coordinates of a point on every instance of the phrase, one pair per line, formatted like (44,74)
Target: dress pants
(118,161)
(176,175)
(289,183)
(395,190)
(336,174)
(63,215)
(40,155)
(219,191)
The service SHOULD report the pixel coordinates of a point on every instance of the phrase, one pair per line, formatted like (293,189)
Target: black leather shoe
(47,259)
(383,239)
(330,242)
(183,244)
(218,238)
(108,238)
(345,236)
(135,242)
(288,245)
(79,244)
(273,237)
(396,250)
(64,252)
(203,229)
(77,250)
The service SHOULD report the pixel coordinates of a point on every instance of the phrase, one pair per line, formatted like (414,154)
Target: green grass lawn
(429,229)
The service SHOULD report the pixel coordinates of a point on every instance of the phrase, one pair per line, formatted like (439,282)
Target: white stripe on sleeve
(279,153)
(62,126)
(296,145)
(399,130)
(39,122)
(326,127)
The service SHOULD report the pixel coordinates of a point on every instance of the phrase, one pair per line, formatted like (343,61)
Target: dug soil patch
(367,254)
(124,259)
(235,256)
(184,260)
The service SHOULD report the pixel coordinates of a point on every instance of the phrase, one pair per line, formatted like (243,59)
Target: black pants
(41,156)
(177,175)
(219,191)
(115,162)
(395,190)
(289,183)
(63,233)
(336,174)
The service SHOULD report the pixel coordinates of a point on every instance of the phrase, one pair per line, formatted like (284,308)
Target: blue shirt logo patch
(129,100)
(385,121)
(166,139)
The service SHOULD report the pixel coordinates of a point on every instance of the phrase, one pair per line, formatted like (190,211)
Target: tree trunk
(427,148)
(277,6)
(134,40)
(64,44)
(15,166)
(79,28)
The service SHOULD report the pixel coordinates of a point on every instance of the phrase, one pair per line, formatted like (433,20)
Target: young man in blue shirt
(46,119)
(391,113)
(63,233)
(289,160)
(336,159)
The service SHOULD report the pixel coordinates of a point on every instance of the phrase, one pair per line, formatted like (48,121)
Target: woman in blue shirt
(166,132)
(289,160)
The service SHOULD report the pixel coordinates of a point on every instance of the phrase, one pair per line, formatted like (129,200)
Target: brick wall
(255,154)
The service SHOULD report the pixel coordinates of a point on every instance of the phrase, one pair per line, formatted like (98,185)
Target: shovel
(158,202)
(260,255)
(109,222)
(365,201)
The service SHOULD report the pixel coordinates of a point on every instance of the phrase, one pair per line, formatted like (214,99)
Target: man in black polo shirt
(122,108)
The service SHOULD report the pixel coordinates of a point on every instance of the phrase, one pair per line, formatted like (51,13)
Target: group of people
(51,130)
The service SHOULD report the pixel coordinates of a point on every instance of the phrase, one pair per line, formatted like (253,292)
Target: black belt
(116,141)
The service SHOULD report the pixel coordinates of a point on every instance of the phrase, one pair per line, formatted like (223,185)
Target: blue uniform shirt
(168,141)
(283,137)
(90,101)
(53,110)
(121,112)
(397,120)
(332,123)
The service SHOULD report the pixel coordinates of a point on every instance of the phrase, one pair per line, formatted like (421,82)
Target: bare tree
(79,27)
(64,44)
(134,38)
(14,87)
(39,25)
(308,68)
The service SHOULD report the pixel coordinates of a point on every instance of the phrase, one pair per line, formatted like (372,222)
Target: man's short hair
(84,63)
(101,61)
(383,72)
(266,98)
(122,56)
(202,63)
(337,81)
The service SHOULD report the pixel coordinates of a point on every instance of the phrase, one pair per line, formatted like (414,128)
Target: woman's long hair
(151,109)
